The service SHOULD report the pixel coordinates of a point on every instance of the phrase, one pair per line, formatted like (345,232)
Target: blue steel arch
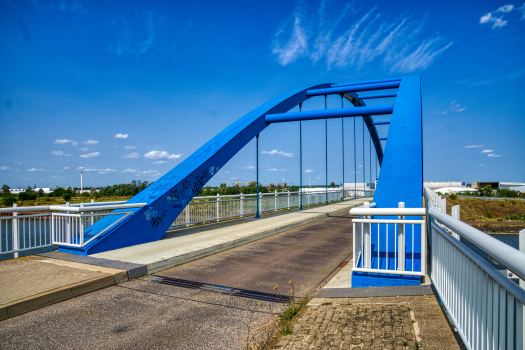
(166,198)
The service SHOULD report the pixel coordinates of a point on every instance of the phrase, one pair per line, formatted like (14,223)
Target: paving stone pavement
(371,323)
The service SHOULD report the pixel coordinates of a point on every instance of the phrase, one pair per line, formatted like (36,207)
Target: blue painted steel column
(370,160)
(301,160)
(257,171)
(343,143)
(401,181)
(326,151)
(364,162)
(355,165)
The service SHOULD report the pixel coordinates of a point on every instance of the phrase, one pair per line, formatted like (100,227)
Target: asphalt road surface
(142,314)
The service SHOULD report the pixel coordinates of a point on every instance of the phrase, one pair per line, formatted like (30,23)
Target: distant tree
(67,196)
(5,190)
(28,194)
(332,184)
(293,188)
(8,200)
(40,193)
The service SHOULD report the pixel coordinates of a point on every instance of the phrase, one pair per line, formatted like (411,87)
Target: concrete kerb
(54,296)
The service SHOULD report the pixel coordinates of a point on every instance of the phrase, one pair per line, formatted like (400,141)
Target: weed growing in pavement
(260,337)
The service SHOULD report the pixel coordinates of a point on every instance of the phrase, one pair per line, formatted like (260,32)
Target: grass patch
(488,210)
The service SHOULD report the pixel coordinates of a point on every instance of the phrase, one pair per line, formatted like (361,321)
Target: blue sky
(128,90)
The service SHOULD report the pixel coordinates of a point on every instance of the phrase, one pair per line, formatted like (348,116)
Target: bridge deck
(187,244)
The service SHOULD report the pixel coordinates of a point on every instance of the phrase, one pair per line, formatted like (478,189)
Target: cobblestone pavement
(414,322)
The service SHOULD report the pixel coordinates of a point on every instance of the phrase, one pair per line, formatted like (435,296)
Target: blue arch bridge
(397,241)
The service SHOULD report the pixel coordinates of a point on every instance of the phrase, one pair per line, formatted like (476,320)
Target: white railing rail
(37,227)
(29,228)
(486,307)
(390,256)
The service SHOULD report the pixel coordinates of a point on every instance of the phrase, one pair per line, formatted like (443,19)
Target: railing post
(401,242)
(275,205)
(81,218)
(242,204)
(288,199)
(367,242)
(455,215)
(68,226)
(218,210)
(187,214)
(16,245)
(522,249)
(92,217)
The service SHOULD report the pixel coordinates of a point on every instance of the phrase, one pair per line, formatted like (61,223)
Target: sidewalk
(32,282)
(341,317)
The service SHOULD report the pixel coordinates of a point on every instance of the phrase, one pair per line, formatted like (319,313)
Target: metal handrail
(506,255)
(96,208)
(387,211)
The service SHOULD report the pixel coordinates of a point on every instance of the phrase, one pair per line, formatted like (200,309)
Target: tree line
(133,188)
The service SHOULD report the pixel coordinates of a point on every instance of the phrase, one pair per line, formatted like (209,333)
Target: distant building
(449,190)
(36,189)
(496,185)
(440,184)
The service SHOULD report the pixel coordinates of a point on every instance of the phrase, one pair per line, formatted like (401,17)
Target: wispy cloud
(129,147)
(309,171)
(453,107)
(100,171)
(90,155)
(83,148)
(474,146)
(160,162)
(90,142)
(66,141)
(132,155)
(121,136)
(129,171)
(275,169)
(487,151)
(138,39)
(34,169)
(66,168)
(481,165)
(3,167)
(249,167)
(492,155)
(496,17)
(398,43)
(60,153)
(281,153)
(162,155)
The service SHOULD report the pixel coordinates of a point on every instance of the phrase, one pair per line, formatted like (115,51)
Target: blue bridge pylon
(400,179)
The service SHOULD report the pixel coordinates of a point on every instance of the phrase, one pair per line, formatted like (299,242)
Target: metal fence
(29,228)
(215,208)
(486,306)
(392,255)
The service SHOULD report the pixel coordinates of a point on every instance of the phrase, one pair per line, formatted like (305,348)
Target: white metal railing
(486,307)
(30,228)
(215,208)
(392,255)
